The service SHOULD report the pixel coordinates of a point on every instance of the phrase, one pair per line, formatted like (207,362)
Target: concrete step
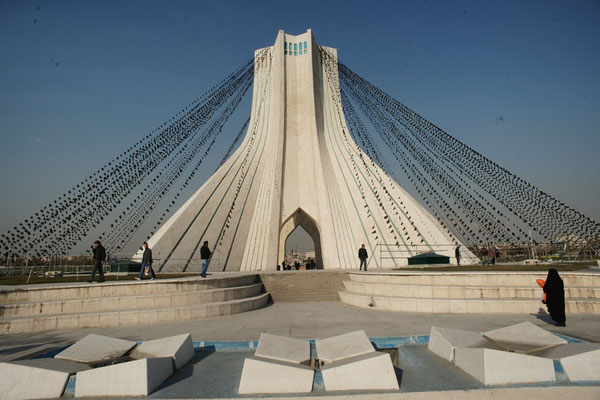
(130,302)
(458,305)
(313,285)
(498,279)
(59,292)
(146,315)
(403,290)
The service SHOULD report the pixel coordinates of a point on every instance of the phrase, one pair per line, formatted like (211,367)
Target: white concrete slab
(133,378)
(443,341)
(53,364)
(20,382)
(340,347)
(496,367)
(96,348)
(270,376)
(179,347)
(524,338)
(372,371)
(583,366)
(282,348)
(567,350)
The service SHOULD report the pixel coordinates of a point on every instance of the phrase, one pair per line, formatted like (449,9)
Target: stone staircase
(70,306)
(463,292)
(311,285)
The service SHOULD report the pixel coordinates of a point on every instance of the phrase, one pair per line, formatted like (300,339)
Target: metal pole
(30,271)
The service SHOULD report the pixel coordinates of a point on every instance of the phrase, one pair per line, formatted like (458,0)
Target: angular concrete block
(179,347)
(53,364)
(282,348)
(269,376)
(443,341)
(132,378)
(524,338)
(340,347)
(371,371)
(495,367)
(96,348)
(582,366)
(18,381)
(567,350)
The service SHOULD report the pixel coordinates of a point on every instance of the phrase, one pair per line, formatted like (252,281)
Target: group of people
(296,265)
(553,287)
(99,257)
(492,255)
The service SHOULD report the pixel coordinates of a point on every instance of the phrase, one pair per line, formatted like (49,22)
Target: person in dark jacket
(205,255)
(146,262)
(555,297)
(457,255)
(99,257)
(362,255)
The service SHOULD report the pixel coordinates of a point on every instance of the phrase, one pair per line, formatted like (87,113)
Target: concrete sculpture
(521,353)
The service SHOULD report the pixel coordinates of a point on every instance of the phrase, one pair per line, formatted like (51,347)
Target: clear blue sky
(82,80)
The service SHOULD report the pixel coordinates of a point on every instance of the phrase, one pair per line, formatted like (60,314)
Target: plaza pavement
(307,320)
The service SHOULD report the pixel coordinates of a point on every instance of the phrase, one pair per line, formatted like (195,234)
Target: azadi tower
(310,154)
(298,166)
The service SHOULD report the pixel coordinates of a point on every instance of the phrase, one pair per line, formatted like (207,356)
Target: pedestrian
(492,256)
(496,254)
(146,262)
(99,257)
(362,255)
(205,255)
(555,297)
(457,255)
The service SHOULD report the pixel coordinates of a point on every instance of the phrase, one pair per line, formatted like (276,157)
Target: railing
(543,252)
(386,253)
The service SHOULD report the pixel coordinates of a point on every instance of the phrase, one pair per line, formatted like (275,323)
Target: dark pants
(363,261)
(204,267)
(97,267)
(142,270)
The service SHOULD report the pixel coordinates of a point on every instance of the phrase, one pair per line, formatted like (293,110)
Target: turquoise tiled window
(305,47)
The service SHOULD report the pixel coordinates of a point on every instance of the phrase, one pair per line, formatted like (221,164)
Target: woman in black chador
(555,297)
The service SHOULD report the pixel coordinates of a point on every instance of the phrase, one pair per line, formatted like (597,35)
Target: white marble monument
(298,166)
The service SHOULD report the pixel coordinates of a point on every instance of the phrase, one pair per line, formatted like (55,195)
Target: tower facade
(298,166)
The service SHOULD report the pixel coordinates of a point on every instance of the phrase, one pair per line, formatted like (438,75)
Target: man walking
(457,255)
(205,256)
(146,262)
(362,255)
(99,257)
